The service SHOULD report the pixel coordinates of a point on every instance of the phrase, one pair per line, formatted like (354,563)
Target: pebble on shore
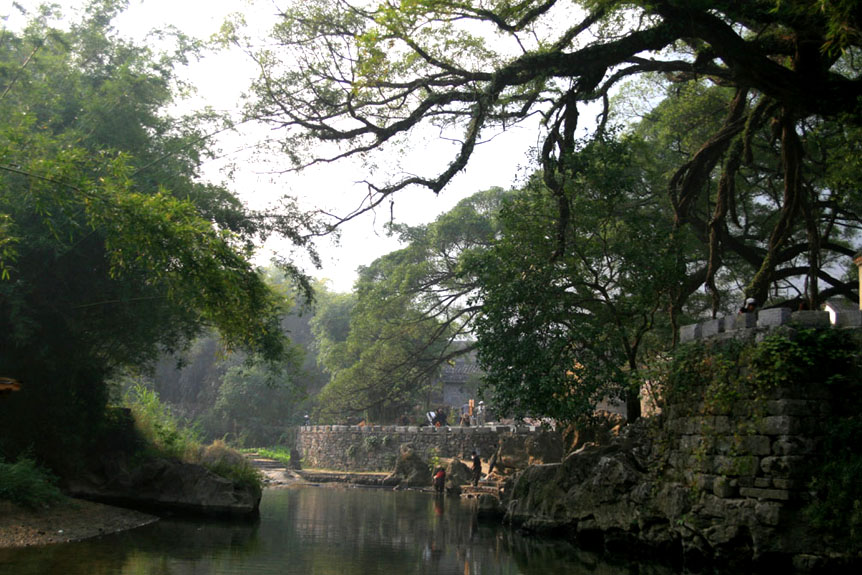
(72,520)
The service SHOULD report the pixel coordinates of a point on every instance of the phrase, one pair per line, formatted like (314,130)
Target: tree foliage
(366,77)
(411,313)
(111,248)
(558,333)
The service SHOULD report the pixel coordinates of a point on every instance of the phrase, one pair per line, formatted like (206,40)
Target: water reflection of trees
(321,531)
(169,547)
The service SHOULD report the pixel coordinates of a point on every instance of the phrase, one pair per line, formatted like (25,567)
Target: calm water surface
(321,531)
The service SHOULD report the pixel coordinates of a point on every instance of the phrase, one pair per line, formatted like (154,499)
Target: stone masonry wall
(751,454)
(375,448)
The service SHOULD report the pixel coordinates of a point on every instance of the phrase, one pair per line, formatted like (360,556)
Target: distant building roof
(462,369)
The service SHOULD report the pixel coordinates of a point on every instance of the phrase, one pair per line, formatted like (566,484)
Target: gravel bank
(73,520)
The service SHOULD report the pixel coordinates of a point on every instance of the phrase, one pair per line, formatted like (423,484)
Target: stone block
(401,429)
(744,445)
(779,425)
(773,317)
(768,512)
(762,482)
(772,494)
(721,424)
(712,327)
(743,465)
(745,481)
(805,563)
(690,332)
(793,407)
(725,487)
(699,464)
(783,483)
(813,319)
(690,442)
(703,481)
(783,466)
(677,460)
(744,321)
(848,319)
(412,429)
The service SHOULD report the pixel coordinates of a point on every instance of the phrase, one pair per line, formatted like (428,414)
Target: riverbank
(72,520)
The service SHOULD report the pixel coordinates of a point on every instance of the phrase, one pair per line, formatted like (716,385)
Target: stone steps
(265,463)
(485,487)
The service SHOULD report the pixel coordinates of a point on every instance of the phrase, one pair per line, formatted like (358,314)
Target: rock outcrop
(627,497)
(457,476)
(544,447)
(410,469)
(159,484)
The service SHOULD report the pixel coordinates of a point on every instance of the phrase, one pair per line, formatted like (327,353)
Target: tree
(413,313)
(112,250)
(257,403)
(364,78)
(559,332)
(331,327)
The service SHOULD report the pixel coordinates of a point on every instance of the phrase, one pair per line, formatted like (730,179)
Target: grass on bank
(278,453)
(26,484)
(168,437)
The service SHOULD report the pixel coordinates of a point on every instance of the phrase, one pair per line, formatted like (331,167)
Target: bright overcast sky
(220,80)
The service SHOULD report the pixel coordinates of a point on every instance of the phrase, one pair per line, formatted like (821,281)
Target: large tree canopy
(365,77)
(558,334)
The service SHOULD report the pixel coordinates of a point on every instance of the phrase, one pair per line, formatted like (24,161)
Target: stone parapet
(375,448)
(758,324)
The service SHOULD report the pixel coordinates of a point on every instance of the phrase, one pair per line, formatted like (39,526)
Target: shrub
(229,463)
(371,442)
(158,426)
(25,483)
(168,438)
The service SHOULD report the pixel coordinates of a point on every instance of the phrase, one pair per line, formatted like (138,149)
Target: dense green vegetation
(112,249)
(25,483)
(165,435)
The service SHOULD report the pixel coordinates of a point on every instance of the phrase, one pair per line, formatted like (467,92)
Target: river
(321,531)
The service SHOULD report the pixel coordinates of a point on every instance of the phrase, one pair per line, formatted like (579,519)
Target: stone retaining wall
(375,448)
(753,456)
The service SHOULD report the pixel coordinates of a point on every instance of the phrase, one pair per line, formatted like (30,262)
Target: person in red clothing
(439,480)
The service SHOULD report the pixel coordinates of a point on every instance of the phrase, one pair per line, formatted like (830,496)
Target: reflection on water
(318,531)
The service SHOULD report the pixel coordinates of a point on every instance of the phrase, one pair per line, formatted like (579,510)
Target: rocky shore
(72,520)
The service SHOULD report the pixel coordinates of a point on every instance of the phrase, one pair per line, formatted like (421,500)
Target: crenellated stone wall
(757,325)
(375,448)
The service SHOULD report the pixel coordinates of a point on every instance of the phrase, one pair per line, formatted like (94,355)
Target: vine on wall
(720,377)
